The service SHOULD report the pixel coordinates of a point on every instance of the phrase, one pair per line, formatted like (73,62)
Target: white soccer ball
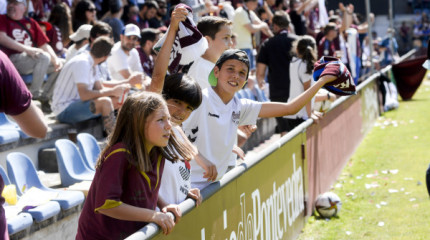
(328,204)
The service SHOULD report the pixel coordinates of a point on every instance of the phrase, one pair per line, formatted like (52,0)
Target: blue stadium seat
(70,163)
(20,221)
(5,123)
(8,136)
(240,94)
(23,173)
(249,94)
(89,149)
(261,97)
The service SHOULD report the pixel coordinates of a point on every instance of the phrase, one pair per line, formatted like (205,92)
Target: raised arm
(277,109)
(162,61)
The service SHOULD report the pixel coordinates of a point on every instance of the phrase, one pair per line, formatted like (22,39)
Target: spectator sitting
(114,20)
(79,95)
(159,20)
(61,21)
(124,59)
(148,11)
(28,48)
(80,39)
(148,38)
(84,13)
(217,32)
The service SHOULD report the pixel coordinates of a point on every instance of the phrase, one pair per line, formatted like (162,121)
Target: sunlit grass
(399,141)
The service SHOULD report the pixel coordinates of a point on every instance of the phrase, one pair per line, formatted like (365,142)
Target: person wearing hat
(80,39)
(212,127)
(124,59)
(27,46)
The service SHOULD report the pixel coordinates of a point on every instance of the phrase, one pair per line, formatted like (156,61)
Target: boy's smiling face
(231,78)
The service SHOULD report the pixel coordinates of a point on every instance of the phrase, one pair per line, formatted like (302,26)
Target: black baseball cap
(227,55)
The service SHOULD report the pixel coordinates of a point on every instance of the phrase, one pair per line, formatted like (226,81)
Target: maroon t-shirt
(14,99)
(119,181)
(55,39)
(15,31)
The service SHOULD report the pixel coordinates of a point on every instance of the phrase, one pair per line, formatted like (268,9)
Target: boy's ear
(209,39)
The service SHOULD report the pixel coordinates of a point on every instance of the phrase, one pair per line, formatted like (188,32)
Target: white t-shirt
(241,18)
(298,77)
(175,182)
(119,60)
(79,69)
(212,128)
(200,70)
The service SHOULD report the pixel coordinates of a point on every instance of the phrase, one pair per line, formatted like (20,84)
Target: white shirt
(298,77)
(79,69)
(212,128)
(119,60)
(175,182)
(200,70)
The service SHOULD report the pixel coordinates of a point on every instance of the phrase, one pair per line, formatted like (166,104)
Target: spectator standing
(15,100)
(275,54)
(28,48)
(245,24)
(148,38)
(327,46)
(124,59)
(217,32)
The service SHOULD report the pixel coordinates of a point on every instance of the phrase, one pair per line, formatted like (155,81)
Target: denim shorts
(77,112)
(251,58)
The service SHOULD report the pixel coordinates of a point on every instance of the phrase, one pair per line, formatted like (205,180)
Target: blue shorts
(77,112)
(251,58)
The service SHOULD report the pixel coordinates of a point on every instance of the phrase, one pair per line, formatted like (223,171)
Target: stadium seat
(8,136)
(261,97)
(6,124)
(70,163)
(249,94)
(20,221)
(89,149)
(23,173)
(240,94)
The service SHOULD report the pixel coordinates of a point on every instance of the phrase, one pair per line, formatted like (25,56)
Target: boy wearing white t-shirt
(217,32)
(212,127)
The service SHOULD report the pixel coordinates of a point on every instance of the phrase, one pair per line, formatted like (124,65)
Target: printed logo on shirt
(235,117)
(213,115)
(22,36)
(185,173)
(193,131)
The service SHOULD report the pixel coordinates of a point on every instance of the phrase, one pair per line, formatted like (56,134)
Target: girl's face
(90,13)
(157,128)
(179,110)
(231,78)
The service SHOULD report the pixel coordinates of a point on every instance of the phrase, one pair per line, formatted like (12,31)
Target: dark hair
(80,11)
(250,0)
(182,87)
(210,25)
(101,47)
(281,19)
(100,28)
(130,130)
(115,6)
(150,4)
(329,27)
(60,17)
(306,47)
(148,34)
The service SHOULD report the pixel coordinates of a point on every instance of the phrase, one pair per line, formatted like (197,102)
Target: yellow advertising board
(265,202)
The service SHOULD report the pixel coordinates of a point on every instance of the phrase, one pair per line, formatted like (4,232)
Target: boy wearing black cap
(212,127)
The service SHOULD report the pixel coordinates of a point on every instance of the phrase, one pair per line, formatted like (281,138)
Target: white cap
(131,30)
(82,33)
